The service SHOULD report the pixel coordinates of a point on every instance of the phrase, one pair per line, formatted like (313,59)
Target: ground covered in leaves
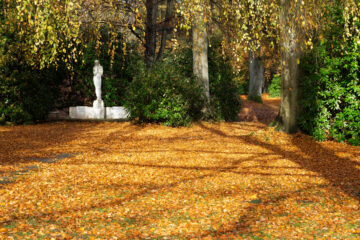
(240,180)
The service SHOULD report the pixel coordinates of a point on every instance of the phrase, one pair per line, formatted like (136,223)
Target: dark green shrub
(27,95)
(330,96)
(275,86)
(162,94)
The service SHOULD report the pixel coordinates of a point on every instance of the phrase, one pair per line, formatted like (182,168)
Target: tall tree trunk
(166,28)
(256,76)
(290,53)
(150,31)
(200,58)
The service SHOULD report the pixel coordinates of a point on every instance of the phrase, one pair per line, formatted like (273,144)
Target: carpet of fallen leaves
(237,180)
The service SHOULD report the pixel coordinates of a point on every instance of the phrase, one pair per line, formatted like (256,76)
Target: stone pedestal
(81,112)
(98,109)
(116,113)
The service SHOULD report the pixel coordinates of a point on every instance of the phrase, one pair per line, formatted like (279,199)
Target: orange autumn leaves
(236,180)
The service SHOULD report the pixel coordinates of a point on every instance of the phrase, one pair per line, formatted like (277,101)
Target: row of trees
(53,30)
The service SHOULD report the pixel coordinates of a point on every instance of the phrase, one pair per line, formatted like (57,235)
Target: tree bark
(290,53)
(200,59)
(166,28)
(150,31)
(256,76)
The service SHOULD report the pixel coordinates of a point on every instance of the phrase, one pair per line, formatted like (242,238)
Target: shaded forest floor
(240,180)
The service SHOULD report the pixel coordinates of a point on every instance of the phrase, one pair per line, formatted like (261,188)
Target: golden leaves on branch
(46,25)
(51,29)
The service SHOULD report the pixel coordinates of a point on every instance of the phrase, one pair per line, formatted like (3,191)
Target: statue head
(97,62)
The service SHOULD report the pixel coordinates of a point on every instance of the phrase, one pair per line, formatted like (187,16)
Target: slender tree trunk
(200,59)
(256,76)
(290,53)
(166,28)
(150,31)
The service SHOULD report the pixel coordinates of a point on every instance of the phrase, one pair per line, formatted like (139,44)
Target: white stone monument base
(81,112)
(98,109)
(116,113)
(91,113)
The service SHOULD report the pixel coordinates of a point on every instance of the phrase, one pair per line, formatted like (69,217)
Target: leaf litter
(239,180)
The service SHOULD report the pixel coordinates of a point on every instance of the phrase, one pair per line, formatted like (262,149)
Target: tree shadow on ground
(341,172)
(243,226)
(105,204)
(22,144)
(311,156)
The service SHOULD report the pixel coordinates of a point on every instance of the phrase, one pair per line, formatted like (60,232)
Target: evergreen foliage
(331,88)
(224,91)
(162,94)
(275,86)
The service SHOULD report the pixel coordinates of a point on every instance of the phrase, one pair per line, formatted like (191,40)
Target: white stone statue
(98,110)
(98,72)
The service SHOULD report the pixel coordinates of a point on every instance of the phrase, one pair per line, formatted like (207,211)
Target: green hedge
(168,92)
(162,94)
(330,97)
(27,96)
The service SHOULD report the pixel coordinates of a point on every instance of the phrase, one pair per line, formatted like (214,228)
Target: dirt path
(256,112)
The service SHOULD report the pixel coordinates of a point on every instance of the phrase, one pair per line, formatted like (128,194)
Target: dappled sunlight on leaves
(210,181)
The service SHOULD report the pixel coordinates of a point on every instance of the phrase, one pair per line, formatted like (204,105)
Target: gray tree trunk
(290,53)
(166,29)
(200,59)
(256,76)
(150,31)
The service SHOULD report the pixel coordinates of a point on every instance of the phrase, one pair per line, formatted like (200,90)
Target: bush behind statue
(162,94)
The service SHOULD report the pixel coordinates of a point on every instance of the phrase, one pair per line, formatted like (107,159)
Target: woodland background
(178,61)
